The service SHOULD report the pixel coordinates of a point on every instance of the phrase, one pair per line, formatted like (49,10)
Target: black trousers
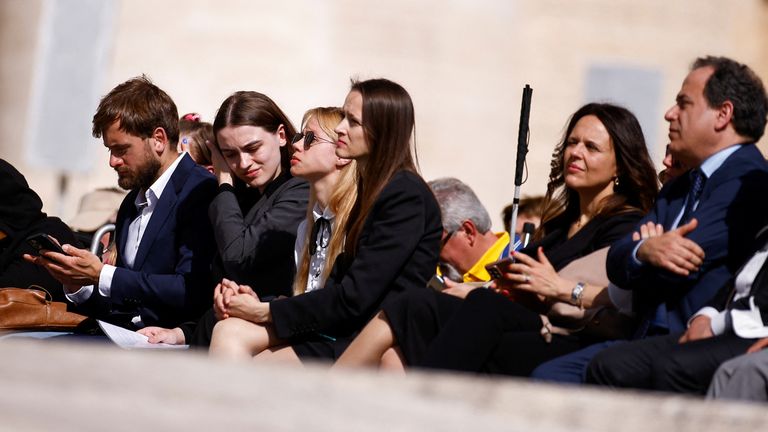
(661,363)
(491,334)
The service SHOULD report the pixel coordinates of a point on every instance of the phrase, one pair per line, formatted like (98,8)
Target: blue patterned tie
(697,185)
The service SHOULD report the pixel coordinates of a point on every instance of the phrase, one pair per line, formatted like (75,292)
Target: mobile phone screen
(43,241)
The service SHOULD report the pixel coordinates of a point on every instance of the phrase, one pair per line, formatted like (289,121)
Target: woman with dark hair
(257,210)
(252,157)
(392,241)
(601,183)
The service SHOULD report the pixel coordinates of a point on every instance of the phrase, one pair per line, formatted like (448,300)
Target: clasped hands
(239,301)
(78,268)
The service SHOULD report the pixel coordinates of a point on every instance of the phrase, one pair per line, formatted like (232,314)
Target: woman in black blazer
(601,183)
(391,247)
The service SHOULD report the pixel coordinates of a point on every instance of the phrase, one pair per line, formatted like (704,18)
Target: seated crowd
(254,240)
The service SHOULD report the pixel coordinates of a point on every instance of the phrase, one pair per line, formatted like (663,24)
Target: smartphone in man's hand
(42,241)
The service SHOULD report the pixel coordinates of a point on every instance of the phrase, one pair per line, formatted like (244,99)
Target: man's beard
(143,178)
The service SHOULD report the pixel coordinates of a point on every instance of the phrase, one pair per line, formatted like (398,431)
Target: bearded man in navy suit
(164,239)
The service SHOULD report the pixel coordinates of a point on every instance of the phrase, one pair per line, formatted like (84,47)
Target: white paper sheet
(132,340)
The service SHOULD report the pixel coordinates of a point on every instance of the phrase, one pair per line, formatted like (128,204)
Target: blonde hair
(340,203)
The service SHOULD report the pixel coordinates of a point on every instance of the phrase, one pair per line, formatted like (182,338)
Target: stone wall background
(464,63)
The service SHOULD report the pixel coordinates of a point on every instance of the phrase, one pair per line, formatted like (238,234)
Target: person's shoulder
(191,174)
(295,183)
(746,159)
(407,182)
(627,216)
(293,188)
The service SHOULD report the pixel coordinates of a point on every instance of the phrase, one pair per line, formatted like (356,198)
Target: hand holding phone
(497,268)
(42,241)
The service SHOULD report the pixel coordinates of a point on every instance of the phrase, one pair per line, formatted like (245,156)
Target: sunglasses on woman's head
(309,139)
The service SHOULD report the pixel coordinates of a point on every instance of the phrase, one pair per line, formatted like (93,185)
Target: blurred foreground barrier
(48,385)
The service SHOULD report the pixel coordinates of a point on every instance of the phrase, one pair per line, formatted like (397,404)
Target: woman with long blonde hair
(332,193)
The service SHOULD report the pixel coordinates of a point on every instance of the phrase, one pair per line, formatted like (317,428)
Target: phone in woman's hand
(495,268)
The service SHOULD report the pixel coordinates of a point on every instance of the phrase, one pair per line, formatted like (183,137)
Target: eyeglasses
(309,139)
(447,237)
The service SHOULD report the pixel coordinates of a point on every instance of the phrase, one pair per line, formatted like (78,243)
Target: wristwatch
(577,293)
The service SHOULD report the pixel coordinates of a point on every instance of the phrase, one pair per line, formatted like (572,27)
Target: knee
(673,374)
(234,333)
(228,328)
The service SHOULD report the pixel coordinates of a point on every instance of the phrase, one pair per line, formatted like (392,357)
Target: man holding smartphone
(468,243)
(163,236)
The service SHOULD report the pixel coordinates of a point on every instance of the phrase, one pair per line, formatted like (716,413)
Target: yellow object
(478,273)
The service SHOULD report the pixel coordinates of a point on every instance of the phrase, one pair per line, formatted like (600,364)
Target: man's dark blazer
(170,281)
(732,208)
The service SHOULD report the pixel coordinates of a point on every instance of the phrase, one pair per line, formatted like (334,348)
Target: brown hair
(141,107)
(250,108)
(531,206)
(388,124)
(198,133)
(637,182)
(340,202)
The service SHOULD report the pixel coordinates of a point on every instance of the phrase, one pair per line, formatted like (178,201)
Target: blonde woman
(332,193)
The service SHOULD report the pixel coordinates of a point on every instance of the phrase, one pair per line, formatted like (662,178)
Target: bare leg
(392,361)
(235,338)
(369,346)
(283,354)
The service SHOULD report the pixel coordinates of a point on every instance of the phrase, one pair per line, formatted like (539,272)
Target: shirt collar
(152,195)
(478,273)
(318,212)
(712,163)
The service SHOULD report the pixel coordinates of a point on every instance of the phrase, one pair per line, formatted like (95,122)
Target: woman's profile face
(352,143)
(589,159)
(319,159)
(252,153)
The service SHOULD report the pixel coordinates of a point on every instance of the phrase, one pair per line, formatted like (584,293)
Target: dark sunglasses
(309,139)
(447,237)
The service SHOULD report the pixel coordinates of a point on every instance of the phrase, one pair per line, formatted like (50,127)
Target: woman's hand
(220,167)
(221,295)
(538,277)
(172,336)
(758,346)
(241,301)
(249,308)
(649,230)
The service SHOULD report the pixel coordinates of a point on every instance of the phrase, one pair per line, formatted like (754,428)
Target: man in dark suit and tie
(164,239)
(720,113)
(702,228)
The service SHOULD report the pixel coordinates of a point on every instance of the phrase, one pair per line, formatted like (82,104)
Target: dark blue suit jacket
(170,281)
(732,208)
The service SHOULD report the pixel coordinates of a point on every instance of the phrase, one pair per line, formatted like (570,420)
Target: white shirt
(318,260)
(146,203)
(745,323)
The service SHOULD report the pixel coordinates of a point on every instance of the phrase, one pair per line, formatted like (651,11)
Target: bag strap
(48,296)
